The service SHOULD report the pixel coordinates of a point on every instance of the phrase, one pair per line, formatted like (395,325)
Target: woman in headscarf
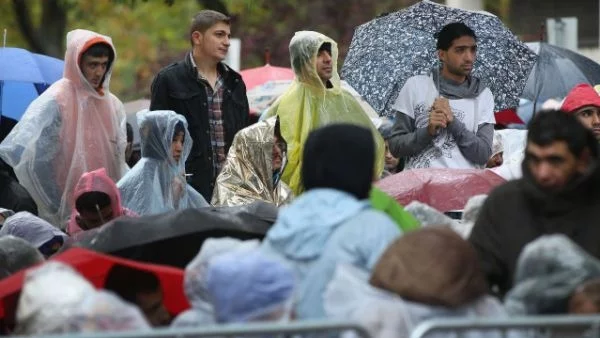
(314,99)
(97,201)
(157,183)
(333,221)
(42,235)
(253,168)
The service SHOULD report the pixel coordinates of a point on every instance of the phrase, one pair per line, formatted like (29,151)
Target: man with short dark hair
(446,119)
(558,193)
(75,126)
(210,95)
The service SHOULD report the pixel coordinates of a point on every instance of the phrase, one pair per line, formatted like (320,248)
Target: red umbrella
(95,267)
(254,77)
(508,116)
(443,189)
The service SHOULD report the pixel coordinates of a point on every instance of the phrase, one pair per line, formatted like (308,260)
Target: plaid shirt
(215,117)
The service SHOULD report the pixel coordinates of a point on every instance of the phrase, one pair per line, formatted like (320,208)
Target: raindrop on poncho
(157,182)
(70,129)
(308,104)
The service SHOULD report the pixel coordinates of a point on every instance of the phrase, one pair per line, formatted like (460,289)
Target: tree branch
(24,21)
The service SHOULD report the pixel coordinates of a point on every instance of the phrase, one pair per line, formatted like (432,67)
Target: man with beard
(557,194)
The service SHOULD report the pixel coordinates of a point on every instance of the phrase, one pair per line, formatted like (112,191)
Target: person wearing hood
(314,99)
(327,224)
(39,233)
(446,119)
(56,299)
(428,274)
(209,94)
(17,254)
(97,201)
(557,194)
(584,102)
(157,183)
(263,290)
(253,168)
(202,312)
(75,126)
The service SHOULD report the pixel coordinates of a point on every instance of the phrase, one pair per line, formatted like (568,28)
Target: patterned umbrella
(388,50)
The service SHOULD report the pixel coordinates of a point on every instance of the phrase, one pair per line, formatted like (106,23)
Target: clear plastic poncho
(56,299)
(194,284)
(262,290)
(157,183)
(247,175)
(17,254)
(31,228)
(549,270)
(70,129)
(349,296)
(308,104)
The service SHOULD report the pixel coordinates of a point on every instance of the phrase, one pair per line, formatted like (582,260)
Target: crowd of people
(340,247)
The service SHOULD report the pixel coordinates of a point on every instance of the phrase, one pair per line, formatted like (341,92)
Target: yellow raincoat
(308,105)
(247,175)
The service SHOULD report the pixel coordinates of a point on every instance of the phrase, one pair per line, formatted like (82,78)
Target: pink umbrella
(257,76)
(443,189)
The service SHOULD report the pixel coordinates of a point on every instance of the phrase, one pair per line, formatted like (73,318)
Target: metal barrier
(528,326)
(234,330)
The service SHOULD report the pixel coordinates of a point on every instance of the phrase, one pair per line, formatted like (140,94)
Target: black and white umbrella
(388,50)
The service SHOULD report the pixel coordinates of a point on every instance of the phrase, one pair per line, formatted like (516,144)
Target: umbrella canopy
(557,71)
(388,50)
(175,238)
(95,268)
(256,76)
(23,77)
(443,189)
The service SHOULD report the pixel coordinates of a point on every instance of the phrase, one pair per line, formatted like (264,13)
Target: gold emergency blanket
(308,104)
(247,175)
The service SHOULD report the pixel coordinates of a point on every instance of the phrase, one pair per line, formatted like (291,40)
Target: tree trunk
(215,5)
(49,37)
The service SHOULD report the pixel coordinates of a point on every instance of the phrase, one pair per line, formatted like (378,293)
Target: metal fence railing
(512,327)
(309,328)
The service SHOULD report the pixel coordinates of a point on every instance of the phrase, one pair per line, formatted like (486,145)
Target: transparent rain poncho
(157,183)
(56,299)
(349,296)
(202,311)
(17,254)
(247,175)
(31,228)
(309,104)
(70,129)
(263,288)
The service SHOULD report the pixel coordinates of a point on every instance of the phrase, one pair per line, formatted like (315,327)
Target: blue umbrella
(23,77)
(388,50)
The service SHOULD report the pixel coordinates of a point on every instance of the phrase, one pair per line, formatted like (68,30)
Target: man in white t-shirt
(446,121)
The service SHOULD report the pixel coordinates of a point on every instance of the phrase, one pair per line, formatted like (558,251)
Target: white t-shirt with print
(415,100)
